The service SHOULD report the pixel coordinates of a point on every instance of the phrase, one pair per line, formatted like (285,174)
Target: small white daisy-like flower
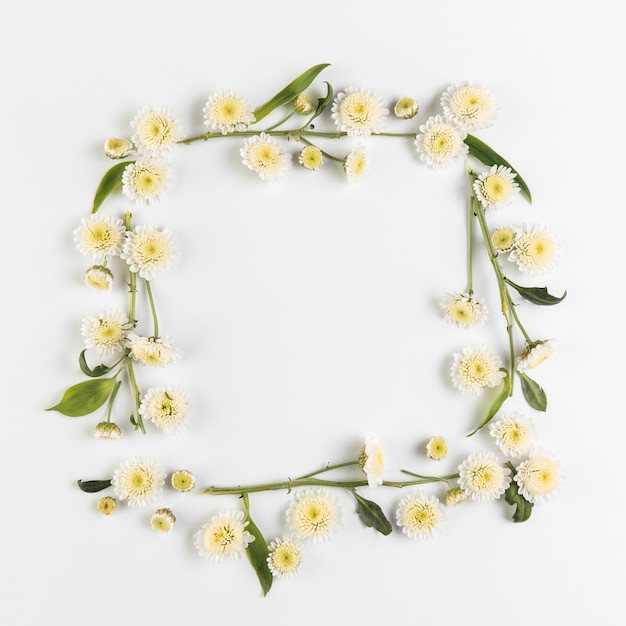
(107,333)
(503,238)
(474,369)
(147,180)
(483,478)
(464,310)
(536,250)
(156,132)
(455,496)
(99,278)
(167,407)
(373,462)
(496,187)
(440,142)
(224,535)
(313,514)
(359,112)
(227,112)
(535,354)
(514,434)
(163,520)
(264,155)
(284,557)
(139,481)
(117,148)
(100,237)
(311,157)
(183,480)
(436,448)
(539,477)
(355,164)
(469,105)
(419,515)
(406,108)
(149,251)
(107,430)
(153,351)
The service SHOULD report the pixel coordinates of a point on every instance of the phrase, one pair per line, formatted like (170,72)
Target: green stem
(326,154)
(112,399)
(470,243)
(155,321)
(138,422)
(327,468)
(267,130)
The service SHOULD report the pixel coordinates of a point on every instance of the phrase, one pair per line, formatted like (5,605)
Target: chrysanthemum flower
(503,238)
(107,505)
(496,187)
(419,515)
(107,430)
(373,462)
(440,142)
(436,448)
(303,105)
(284,557)
(313,515)
(227,112)
(464,310)
(311,157)
(474,369)
(225,535)
(483,478)
(149,251)
(359,112)
(539,477)
(469,105)
(183,480)
(163,520)
(167,407)
(406,108)
(536,250)
(139,481)
(455,496)
(100,237)
(355,164)
(263,154)
(106,333)
(99,278)
(535,354)
(514,434)
(153,351)
(156,132)
(146,181)
(116,148)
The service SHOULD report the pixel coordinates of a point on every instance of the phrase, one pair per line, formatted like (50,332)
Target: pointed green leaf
(536,295)
(290,92)
(371,514)
(481,151)
(533,392)
(111,181)
(523,507)
(97,371)
(257,551)
(497,403)
(84,398)
(322,103)
(93,486)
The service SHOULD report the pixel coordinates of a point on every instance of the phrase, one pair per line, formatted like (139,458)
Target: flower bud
(303,104)
(107,430)
(406,108)
(163,520)
(99,277)
(455,496)
(117,148)
(107,505)
(183,480)
(311,157)
(436,448)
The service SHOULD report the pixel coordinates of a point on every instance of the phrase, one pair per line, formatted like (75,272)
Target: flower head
(183,480)
(106,333)
(539,477)
(153,351)
(359,112)
(483,478)
(311,157)
(474,369)
(436,448)
(156,132)
(100,237)
(263,154)
(167,407)
(149,251)
(464,310)
(355,164)
(117,148)
(99,278)
(303,104)
(440,142)
(107,430)
(536,250)
(227,112)
(284,557)
(313,515)
(373,462)
(139,481)
(419,515)
(406,108)
(496,187)
(535,354)
(469,105)
(163,520)
(146,181)
(503,238)
(224,535)
(107,505)
(514,434)
(455,496)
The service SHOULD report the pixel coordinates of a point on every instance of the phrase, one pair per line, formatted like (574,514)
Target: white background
(306,311)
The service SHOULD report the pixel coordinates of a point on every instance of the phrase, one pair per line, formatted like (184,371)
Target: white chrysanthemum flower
(225,535)
(436,448)
(153,351)
(464,310)
(483,478)
(284,557)
(419,515)
(503,238)
(264,155)
(107,333)
(139,481)
(440,142)
(539,477)
(474,369)
(311,157)
(149,251)
(163,520)
(227,112)
(496,187)
(167,407)
(100,237)
(373,462)
(147,180)
(313,514)
(355,164)
(156,132)
(359,112)
(107,430)
(469,105)
(536,250)
(406,108)
(116,148)
(99,278)
(514,434)
(535,354)
(183,480)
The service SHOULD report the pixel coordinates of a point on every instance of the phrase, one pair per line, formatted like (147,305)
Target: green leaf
(481,151)
(523,507)
(111,181)
(290,92)
(536,295)
(93,486)
(84,398)
(322,103)
(371,514)
(497,403)
(257,552)
(533,392)
(97,371)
